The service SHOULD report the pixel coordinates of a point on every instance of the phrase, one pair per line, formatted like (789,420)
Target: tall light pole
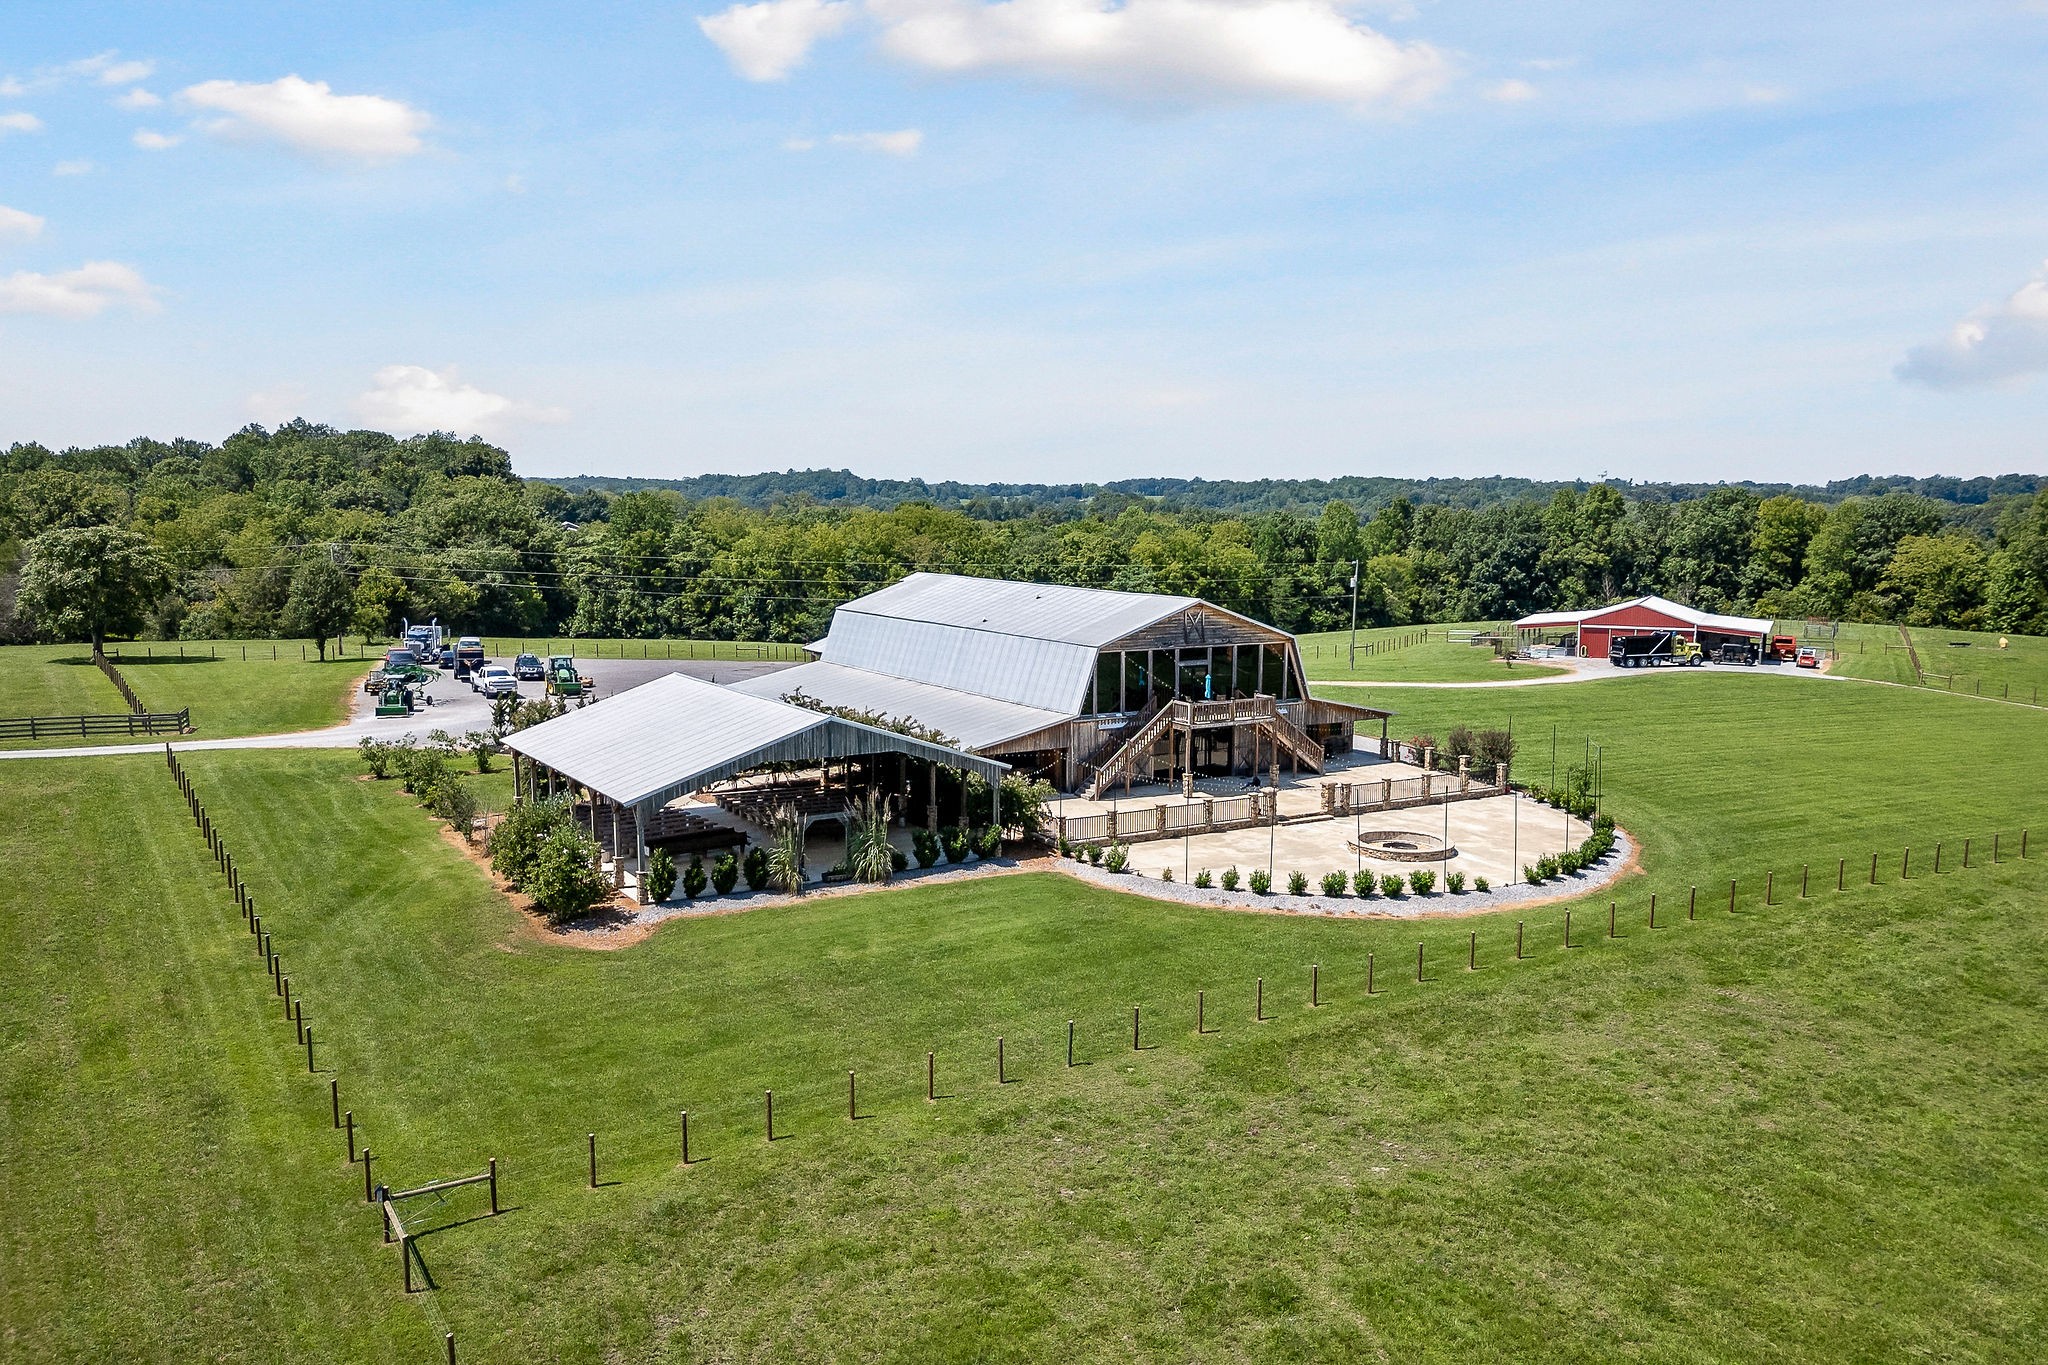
(1354,616)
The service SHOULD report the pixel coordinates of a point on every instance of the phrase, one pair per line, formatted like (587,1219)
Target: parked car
(496,680)
(527,668)
(446,658)
(1809,657)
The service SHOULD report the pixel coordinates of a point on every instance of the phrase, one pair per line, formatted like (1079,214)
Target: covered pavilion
(634,753)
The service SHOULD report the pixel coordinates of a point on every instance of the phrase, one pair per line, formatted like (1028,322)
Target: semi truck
(1653,649)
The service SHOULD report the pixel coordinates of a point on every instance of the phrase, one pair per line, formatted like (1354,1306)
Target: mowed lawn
(228,695)
(1805,1131)
(1386,655)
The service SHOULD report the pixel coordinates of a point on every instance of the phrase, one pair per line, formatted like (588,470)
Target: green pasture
(1803,1131)
(229,694)
(1409,654)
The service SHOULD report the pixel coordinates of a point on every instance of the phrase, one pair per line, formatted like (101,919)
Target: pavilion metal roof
(679,734)
(1029,643)
(971,720)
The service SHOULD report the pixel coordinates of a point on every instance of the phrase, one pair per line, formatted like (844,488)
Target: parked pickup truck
(1653,649)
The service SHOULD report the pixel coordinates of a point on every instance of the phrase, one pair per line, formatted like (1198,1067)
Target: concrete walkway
(456,709)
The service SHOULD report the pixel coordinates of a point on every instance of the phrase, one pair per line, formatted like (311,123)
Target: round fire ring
(1402,846)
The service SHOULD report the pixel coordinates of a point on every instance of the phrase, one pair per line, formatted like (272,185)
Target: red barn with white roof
(1596,625)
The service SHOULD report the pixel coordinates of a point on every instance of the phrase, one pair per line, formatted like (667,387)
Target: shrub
(1115,856)
(786,851)
(1363,882)
(1203,879)
(953,839)
(1061,848)
(1391,884)
(376,756)
(516,840)
(925,845)
(1095,855)
(455,803)
(1423,880)
(661,876)
(725,873)
(1334,883)
(1421,742)
(1531,874)
(563,878)
(1262,881)
(1165,874)
(754,867)
(420,770)
(1603,823)
(1297,883)
(1459,744)
(867,841)
(898,859)
(1230,879)
(988,841)
(480,745)
(1454,882)
(503,708)
(1548,865)
(693,877)
(1491,748)
(1481,884)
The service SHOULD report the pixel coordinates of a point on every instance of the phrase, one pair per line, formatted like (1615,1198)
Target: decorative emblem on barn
(1194,626)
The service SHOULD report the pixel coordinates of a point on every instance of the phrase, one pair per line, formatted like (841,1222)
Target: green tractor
(563,680)
(395,698)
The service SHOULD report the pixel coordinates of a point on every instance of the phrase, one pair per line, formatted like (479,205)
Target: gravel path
(1410,906)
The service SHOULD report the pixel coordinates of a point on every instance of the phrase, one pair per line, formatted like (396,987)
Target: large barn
(1083,686)
(1596,626)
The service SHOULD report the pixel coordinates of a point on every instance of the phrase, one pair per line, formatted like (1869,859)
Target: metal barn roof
(677,734)
(1029,643)
(972,721)
(1663,606)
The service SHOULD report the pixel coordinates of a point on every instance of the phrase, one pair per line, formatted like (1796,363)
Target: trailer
(1653,649)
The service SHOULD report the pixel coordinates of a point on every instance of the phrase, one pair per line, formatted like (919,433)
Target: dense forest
(308,530)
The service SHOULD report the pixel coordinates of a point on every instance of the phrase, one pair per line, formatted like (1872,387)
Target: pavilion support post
(931,805)
(640,852)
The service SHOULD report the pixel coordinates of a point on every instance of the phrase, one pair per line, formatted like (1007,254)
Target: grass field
(1395,654)
(1800,1132)
(1963,661)
(227,694)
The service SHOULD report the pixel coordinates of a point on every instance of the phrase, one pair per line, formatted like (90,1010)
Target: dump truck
(469,657)
(1783,648)
(1653,649)
(563,679)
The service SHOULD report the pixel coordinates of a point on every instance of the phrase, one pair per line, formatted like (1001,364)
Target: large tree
(320,603)
(89,582)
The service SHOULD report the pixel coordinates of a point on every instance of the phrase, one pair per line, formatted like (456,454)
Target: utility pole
(1354,616)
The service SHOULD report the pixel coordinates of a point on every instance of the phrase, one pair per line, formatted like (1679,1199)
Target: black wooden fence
(87,727)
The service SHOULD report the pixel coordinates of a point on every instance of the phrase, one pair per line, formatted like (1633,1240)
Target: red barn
(1596,625)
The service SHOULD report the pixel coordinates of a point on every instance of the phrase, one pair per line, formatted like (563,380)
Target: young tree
(91,582)
(320,603)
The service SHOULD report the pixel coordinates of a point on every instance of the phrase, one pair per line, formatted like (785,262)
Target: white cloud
(1173,49)
(82,293)
(903,142)
(411,398)
(152,141)
(125,73)
(2000,341)
(12,88)
(19,223)
(138,98)
(80,167)
(1512,92)
(308,117)
(20,121)
(767,41)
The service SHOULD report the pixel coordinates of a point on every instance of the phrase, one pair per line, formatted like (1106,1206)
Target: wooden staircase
(1115,760)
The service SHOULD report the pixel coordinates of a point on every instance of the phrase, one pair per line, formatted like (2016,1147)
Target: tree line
(313,532)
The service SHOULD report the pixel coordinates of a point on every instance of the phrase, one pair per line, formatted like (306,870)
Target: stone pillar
(1500,776)
(1208,812)
(1464,773)
(1187,783)
(1059,830)
(1429,760)
(1112,826)
(1159,820)
(1386,791)
(1428,778)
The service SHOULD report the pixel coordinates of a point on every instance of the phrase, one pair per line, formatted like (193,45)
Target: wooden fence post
(1315,985)
(592,1139)
(1611,905)
(1731,895)
(309,1049)
(1692,903)
(1070,1042)
(1518,940)
(369,1193)
(1259,1002)
(1567,928)
(686,1136)
(334,1094)
(1841,874)
(1803,870)
(852,1113)
(348,1119)
(1368,974)
(931,1077)
(1472,952)
(494,1186)
(1418,962)
(1770,886)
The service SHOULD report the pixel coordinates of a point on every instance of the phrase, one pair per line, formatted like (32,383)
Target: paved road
(455,708)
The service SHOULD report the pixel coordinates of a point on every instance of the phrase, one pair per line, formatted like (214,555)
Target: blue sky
(1041,240)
